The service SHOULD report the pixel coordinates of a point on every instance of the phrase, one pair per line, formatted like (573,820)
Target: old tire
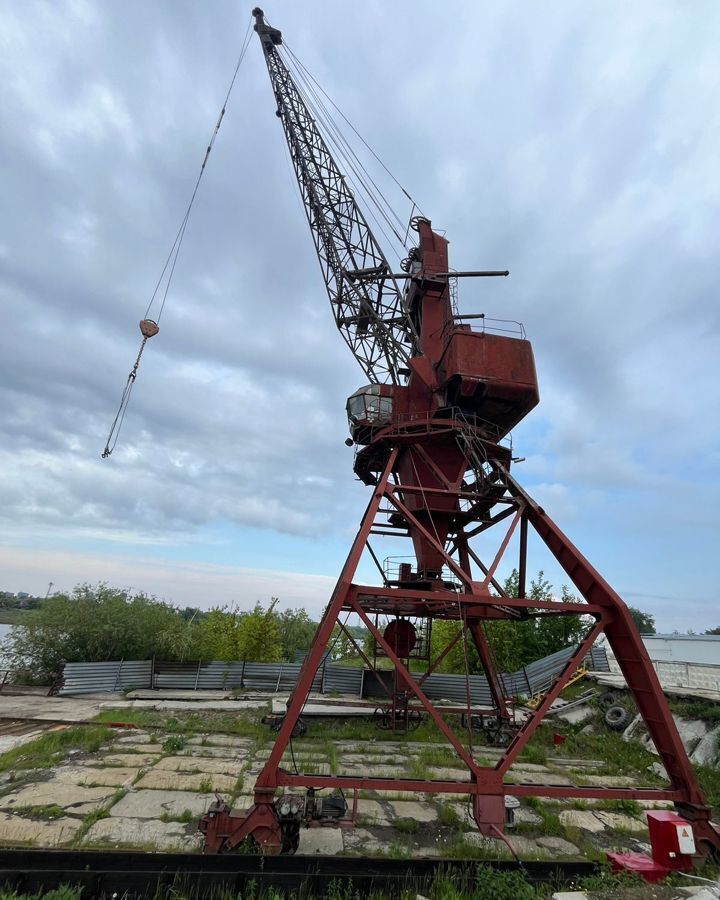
(607,699)
(617,718)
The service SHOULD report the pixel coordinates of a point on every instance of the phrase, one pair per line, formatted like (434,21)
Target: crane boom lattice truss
(369,313)
(430,432)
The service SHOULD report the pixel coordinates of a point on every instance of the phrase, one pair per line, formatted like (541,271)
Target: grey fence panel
(597,659)
(90,678)
(455,688)
(86,678)
(343,679)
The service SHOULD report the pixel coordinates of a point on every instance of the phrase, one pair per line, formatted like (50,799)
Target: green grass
(709,779)
(448,816)
(406,826)
(46,751)
(439,756)
(629,807)
(551,824)
(52,811)
(64,892)
(174,744)
(13,616)
(417,769)
(185,817)
(706,710)
(189,724)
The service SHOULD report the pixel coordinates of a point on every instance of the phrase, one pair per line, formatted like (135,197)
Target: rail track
(138,874)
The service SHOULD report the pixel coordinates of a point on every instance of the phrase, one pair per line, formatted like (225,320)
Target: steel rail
(105,873)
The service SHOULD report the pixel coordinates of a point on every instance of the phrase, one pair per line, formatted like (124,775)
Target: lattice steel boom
(370,314)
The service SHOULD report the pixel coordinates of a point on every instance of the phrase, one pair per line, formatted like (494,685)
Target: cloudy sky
(574,143)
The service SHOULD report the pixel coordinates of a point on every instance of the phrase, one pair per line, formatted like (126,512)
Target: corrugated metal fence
(86,678)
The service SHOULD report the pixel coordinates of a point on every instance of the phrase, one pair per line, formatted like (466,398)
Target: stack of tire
(616,717)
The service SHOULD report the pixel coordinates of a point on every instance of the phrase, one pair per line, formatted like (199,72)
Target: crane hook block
(149,328)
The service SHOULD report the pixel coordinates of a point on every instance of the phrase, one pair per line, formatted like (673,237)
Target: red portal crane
(429,429)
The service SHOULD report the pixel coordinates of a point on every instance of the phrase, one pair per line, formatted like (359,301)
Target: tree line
(96,623)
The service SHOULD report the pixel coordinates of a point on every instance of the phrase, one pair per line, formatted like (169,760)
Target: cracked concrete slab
(327,841)
(207,765)
(410,809)
(373,812)
(581,818)
(524,846)
(160,779)
(618,820)
(73,798)
(124,832)
(558,846)
(89,776)
(145,804)
(144,748)
(359,840)
(17,830)
(123,760)
(221,740)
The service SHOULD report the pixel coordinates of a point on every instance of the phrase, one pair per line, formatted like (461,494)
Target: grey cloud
(576,148)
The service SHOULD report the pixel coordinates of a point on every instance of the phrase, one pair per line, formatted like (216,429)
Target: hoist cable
(345,152)
(175,249)
(148,326)
(345,149)
(354,129)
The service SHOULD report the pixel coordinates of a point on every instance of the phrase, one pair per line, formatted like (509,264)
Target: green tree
(296,632)
(443,631)
(513,643)
(713,631)
(260,635)
(230,635)
(644,622)
(96,624)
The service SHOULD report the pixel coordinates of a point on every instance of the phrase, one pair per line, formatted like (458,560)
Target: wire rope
(169,266)
(355,131)
(352,164)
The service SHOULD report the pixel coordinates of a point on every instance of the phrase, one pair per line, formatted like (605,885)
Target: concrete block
(706,752)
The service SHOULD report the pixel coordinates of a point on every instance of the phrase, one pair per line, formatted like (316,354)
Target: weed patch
(406,826)
(185,817)
(448,816)
(174,744)
(46,751)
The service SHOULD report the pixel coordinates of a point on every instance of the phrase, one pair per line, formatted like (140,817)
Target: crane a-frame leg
(273,821)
